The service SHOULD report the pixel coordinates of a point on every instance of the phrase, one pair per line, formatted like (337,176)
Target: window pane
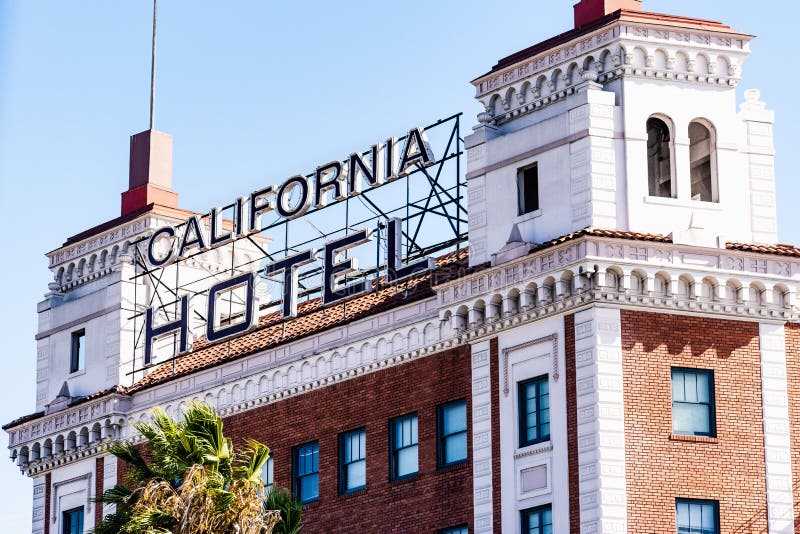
(677,386)
(266,472)
(455,417)
(357,474)
(309,488)
(690,389)
(696,517)
(455,448)
(702,388)
(407,461)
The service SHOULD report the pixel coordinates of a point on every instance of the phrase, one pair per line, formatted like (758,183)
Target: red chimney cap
(588,11)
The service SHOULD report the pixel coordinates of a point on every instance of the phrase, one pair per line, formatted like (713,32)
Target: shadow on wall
(686,335)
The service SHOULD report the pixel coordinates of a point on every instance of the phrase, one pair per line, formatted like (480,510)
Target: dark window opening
(534,411)
(404,447)
(537,520)
(77,360)
(695,516)
(528,189)
(353,461)
(700,148)
(659,159)
(73,521)
(452,430)
(693,402)
(306,472)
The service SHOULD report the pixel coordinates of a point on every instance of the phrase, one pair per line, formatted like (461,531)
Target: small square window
(353,461)
(404,446)
(528,189)
(452,430)
(695,516)
(77,360)
(537,520)
(73,521)
(460,529)
(306,472)
(693,402)
(268,474)
(534,411)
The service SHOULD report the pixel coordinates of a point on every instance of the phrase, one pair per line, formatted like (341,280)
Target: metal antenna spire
(153,74)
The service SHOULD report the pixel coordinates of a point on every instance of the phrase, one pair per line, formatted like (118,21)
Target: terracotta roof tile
(778,250)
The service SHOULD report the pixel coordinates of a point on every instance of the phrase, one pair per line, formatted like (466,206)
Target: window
(403,444)
(77,360)
(353,461)
(537,520)
(73,521)
(697,517)
(528,189)
(452,419)
(659,158)
(700,155)
(461,529)
(693,402)
(534,411)
(268,474)
(306,472)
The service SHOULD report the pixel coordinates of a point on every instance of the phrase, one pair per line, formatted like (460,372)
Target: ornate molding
(54,497)
(553,338)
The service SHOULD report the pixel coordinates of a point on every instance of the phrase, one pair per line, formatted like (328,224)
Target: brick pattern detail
(98,487)
(659,469)
(494,357)
(793,376)
(48,480)
(572,424)
(436,498)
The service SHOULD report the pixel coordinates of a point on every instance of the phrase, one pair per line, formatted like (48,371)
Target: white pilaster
(601,424)
(777,448)
(482,438)
(39,494)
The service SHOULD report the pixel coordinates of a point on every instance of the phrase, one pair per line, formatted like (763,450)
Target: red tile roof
(777,250)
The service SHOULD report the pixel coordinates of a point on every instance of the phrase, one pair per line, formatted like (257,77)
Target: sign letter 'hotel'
(577,318)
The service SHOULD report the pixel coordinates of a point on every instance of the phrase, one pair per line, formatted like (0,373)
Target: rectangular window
(528,189)
(452,430)
(353,460)
(460,529)
(693,402)
(537,520)
(268,474)
(306,472)
(534,410)
(77,360)
(73,521)
(403,444)
(696,516)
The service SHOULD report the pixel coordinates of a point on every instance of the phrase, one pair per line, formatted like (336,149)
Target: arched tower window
(659,158)
(701,155)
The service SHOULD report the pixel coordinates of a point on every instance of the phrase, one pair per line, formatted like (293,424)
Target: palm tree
(290,509)
(194,483)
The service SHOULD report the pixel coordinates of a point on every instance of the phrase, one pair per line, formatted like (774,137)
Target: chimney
(588,11)
(149,172)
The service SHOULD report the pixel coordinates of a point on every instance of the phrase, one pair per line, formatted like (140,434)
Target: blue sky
(254,92)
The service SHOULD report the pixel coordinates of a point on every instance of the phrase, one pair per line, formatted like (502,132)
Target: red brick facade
(572,424)
(729,468)
(793,376)
(436,498)
(494,377)
(98,488)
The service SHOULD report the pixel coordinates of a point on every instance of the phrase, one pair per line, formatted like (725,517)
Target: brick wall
(98,488)
(436,498)
(793,373)
(48,480)
(494,377)
(572,424)
(729,468)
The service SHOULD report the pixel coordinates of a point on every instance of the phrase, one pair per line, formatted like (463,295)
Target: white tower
(626,122)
